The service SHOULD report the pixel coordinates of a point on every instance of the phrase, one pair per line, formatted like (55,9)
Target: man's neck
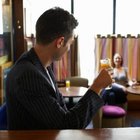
(43,55)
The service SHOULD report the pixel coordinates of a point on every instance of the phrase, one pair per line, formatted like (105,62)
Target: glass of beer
(106,64)
(67,82)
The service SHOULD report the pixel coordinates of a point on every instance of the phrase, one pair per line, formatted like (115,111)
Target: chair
(78,81)
(110,116)
(3,117)
(113,116)
(4,69)
(117,120)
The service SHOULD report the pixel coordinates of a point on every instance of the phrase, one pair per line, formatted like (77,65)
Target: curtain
(69,64)
(75,58)
(128,47)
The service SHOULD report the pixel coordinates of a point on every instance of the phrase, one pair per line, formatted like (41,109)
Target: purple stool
(113,116)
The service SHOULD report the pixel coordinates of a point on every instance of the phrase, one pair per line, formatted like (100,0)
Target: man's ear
(60,42)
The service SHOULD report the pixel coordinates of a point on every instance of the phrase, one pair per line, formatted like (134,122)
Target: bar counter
(89,134)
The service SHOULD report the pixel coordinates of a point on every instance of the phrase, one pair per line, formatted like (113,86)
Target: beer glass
(106,64)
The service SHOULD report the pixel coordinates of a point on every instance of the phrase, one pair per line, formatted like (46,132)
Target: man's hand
(101,81)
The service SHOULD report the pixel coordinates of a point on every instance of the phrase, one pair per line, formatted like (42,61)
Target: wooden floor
(131,117)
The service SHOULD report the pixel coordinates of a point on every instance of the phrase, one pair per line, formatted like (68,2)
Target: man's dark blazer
(32,102)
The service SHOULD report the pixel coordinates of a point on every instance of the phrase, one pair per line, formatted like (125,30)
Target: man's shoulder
(20,67)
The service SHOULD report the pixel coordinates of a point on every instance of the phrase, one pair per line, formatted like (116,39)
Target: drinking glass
(67,84)
(106,64)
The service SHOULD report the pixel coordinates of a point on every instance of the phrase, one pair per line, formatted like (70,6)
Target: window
(1,21)
(33,9)
(127,17)
(95,17)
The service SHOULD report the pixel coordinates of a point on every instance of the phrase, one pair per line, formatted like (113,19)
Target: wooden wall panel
(18,28)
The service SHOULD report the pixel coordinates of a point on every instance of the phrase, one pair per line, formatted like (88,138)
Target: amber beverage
(106,64)
(67,83)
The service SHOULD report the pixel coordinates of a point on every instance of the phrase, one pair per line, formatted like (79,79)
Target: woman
(120,73)
(117,94)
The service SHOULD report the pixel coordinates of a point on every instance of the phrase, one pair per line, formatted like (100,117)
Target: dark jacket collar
(32,56)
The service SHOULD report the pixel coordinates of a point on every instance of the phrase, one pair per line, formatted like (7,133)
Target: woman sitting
(117,94)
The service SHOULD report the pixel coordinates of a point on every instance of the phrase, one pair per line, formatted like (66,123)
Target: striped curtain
(69,64)
(128,47)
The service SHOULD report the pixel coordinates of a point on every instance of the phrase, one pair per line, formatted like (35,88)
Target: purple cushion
(113,111)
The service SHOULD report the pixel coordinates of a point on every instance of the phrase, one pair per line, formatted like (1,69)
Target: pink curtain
(69,64)
(128,47)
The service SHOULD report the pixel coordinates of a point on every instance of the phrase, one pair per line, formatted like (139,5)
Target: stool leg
(97,120)
(123,121)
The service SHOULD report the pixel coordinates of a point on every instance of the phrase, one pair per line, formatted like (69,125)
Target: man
(33,98)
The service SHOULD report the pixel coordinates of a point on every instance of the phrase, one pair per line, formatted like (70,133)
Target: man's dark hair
(54,23)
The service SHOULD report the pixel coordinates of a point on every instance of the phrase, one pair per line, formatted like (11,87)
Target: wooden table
(72,92)
(133,90)
(92,134)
